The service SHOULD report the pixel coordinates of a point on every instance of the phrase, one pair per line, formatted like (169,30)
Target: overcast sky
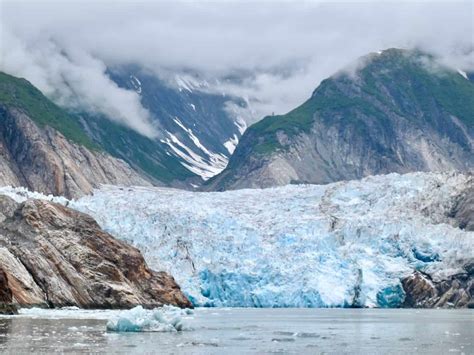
(64,47)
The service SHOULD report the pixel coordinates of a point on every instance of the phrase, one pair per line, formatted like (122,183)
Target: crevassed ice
(341,244)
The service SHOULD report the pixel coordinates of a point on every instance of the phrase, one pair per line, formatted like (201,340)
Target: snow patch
(207,167)
(136,84)
(463,74)
(194,162)
(241,125)
(231,144)
(190,83)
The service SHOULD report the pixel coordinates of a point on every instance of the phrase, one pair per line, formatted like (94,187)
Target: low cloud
(284,48)
(74,79)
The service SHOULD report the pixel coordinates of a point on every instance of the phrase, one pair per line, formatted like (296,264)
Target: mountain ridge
(399,112)
(44,148)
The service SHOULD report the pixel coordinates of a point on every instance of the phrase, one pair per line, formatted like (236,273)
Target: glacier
(346,244)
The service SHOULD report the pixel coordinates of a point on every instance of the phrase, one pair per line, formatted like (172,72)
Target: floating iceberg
(337,245)
(138,319)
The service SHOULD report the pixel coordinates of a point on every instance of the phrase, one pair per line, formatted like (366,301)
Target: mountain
(394,111)
(49,149)
(200,129)
(148,157)
(44,148)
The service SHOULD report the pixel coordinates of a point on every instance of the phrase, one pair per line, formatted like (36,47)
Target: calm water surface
(242,331)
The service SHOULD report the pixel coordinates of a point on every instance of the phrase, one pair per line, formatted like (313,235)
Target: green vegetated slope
(19,93)
(370,98)
(142,153)
(94,132)
(411,76)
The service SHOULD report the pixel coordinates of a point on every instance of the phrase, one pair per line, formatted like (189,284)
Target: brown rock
(463,211)
(56,256)
(456,291)
(6,298)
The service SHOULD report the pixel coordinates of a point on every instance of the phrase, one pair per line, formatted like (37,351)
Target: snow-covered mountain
(196,131)
(343,244)
(199,126)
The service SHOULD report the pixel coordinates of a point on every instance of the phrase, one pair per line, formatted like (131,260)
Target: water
(242,331)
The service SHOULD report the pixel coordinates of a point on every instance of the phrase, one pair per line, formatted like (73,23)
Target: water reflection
(5,326)
(43,335)
(237,331)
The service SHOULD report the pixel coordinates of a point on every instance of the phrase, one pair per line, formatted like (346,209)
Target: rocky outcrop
(53,256)
(6,296)
(463,211)
(42,159)
(399,111)
(421,291)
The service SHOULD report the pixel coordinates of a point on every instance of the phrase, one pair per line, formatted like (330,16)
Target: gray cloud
(286,48)
(75,79)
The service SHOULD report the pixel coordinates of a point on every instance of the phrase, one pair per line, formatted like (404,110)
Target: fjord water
(249,330)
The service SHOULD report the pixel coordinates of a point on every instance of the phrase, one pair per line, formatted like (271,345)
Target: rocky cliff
(196,135)
(44,148)
(53,256)
(463,210)
(457,291)
(42,159)
(396,111)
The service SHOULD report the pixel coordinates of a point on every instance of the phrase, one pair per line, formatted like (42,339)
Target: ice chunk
(138,319)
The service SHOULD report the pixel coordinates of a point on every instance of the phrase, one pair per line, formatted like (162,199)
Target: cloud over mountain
(280,51)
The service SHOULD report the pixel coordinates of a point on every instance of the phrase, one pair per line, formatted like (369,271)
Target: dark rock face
(54,256)
(421,291)
(5,292)
(43,160)
(400,112)
(463,211)
(6,298)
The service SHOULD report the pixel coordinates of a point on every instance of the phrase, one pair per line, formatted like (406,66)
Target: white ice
(138,319)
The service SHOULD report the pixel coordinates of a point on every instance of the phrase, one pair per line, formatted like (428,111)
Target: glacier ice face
(138,319)
(342,244)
